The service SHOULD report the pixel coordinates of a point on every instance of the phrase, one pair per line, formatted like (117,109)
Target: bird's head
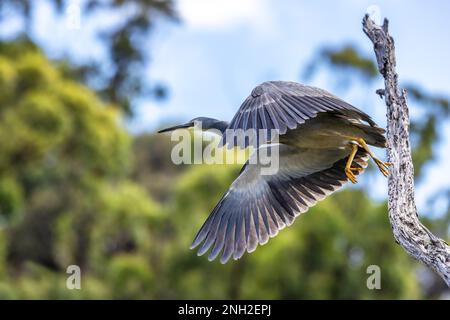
(202,123)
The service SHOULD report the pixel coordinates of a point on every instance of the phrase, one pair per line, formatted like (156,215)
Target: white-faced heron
(323,143)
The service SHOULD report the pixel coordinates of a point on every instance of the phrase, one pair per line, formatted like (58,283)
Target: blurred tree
(152,166)
(66,198)
(64,193)
(342,60)
(126,44)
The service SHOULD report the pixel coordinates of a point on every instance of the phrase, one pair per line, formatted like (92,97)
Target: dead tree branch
(414,237)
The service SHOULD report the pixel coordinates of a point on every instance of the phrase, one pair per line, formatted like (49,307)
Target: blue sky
(223,48)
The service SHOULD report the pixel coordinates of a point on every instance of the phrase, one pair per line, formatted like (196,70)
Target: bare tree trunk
(415,238)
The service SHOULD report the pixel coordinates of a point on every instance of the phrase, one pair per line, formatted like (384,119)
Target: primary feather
(256,206)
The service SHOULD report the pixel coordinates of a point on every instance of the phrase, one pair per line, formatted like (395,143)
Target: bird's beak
(180,126)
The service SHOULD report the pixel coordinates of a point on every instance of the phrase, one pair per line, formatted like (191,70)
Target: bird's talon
(384,172)
(383,166)
(350,175)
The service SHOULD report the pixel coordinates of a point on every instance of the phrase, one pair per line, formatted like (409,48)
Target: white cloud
(224,14)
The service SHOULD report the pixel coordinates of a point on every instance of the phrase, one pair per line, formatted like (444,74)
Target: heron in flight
(323,142)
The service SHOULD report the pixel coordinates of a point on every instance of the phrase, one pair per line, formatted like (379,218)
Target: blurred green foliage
(65,195)
(74,190)
(123,41)
(344,59)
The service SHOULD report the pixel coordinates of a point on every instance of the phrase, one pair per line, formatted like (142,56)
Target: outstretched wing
(256,206)
(283,105)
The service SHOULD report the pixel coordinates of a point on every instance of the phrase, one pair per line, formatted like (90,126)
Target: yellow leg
(383,166)
(348,167)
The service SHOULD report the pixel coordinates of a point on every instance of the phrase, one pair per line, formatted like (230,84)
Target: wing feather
(257,206)
(283,106)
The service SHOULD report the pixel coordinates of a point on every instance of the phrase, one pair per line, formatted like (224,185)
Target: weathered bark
(415,238)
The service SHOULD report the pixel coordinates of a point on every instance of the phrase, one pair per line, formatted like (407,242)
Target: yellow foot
(383,166)
(350,175)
